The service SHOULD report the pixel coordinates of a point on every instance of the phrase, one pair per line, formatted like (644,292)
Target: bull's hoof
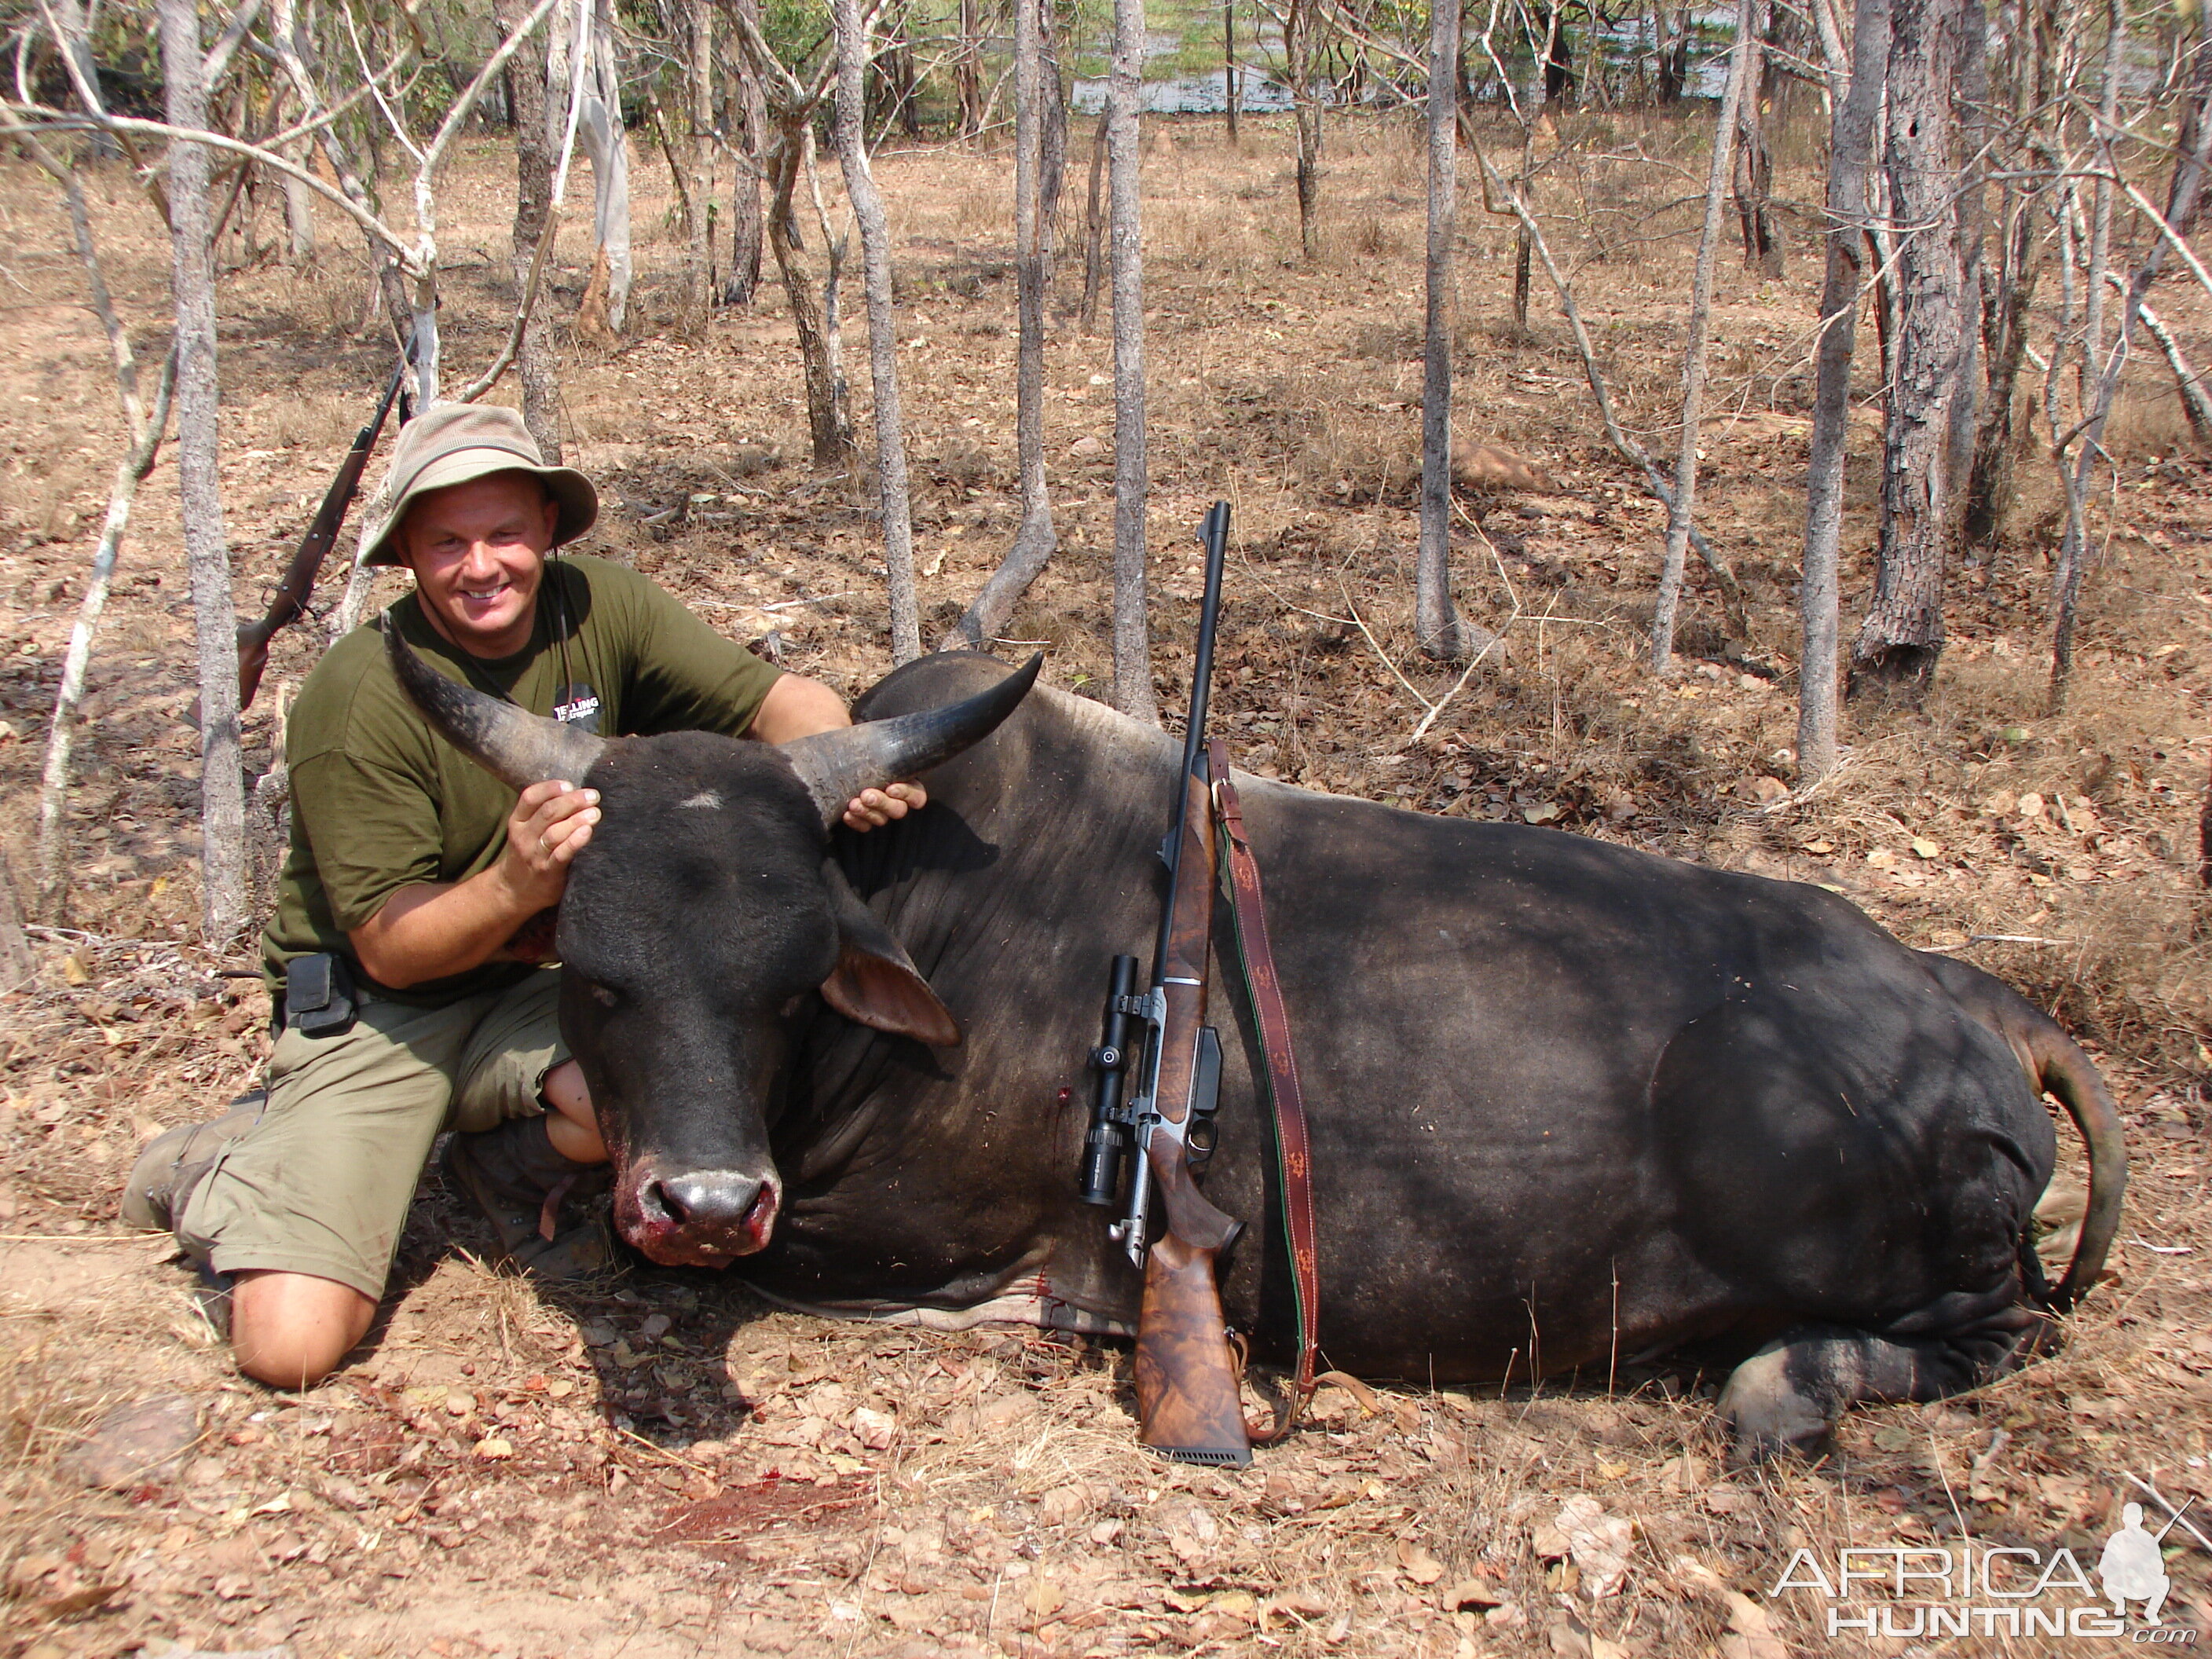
(1768,1414)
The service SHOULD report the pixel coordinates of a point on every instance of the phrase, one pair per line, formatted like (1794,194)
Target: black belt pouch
(319,995)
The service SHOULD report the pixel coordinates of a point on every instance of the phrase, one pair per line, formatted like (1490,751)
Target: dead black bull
(1574,1106)
(699,924)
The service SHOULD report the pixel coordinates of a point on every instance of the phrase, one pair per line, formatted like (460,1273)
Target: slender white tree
(1132,650)
(1683,506)
(1850,154)
(1035,538)
(1436,619)
(222,786)
(143,431)
(849,120)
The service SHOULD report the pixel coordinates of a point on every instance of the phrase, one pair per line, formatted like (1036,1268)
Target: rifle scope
(1100,1178)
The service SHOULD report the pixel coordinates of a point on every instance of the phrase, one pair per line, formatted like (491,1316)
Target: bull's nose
(703,1215)
(705,1201)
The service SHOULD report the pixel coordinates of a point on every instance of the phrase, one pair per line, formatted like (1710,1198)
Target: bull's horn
(516,747)
(836,766)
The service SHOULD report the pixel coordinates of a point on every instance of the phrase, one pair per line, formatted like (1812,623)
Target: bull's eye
(605,995)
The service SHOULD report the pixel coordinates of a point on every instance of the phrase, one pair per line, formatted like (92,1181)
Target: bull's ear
(875,983)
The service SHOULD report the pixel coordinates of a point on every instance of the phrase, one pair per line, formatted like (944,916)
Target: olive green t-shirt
(379,801)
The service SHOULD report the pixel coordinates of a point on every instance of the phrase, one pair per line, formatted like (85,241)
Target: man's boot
(175,1162)
(523,1185)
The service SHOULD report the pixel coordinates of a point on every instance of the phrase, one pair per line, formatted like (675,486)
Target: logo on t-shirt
(577,705)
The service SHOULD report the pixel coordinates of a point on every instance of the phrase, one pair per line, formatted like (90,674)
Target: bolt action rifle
(1159,1078)
(290,600)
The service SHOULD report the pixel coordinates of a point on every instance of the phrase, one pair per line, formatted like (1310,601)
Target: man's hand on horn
(872,809)
(551,824)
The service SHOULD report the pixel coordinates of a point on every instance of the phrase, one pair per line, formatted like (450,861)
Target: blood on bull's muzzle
(695,1218)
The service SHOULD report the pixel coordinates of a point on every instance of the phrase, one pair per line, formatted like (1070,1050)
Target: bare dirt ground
(662,1466)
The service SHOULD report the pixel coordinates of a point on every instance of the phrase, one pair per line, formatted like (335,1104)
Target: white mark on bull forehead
(706,798)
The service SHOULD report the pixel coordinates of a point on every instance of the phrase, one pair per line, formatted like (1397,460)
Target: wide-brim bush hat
(448,444)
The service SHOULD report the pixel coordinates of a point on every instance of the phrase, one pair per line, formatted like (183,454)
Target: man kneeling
(406,955)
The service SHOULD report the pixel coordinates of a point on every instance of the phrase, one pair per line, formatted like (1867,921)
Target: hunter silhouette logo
(1901,1593)
(2132,1569)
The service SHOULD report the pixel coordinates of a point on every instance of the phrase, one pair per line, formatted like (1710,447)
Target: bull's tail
(2054,1063)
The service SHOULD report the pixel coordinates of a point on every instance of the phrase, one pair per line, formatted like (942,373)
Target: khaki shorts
(321,1183)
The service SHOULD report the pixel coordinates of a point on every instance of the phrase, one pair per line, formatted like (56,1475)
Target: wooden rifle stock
(1186,1376)
(290,601)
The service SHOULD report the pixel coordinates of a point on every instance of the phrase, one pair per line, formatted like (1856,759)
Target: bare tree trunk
(2005,306)
(17,966)
(1305,102)
(830,426)
(1850,154)
(1754,161)
(1694,349)
(1035,540)
(222,787)
(699,84)
(2204,841)
(745,184)
(535,359)
(53,792)
(1436,619)
(605,142)
(967,71)
(896,91)
(1672,23)
(1972,231)
(2185,197)
(1229,65)
(299,216)
(1132,652)
(1052,146)
(2098,367)
(1902,637)
(144,431)
(849,122)
(1524,181)
(360,588)
(2091,362)
(1094,228)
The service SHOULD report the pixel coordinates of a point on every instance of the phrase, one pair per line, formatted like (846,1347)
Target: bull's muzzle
(696,1217)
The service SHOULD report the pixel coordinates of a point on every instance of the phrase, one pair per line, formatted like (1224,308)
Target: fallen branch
(2194,402)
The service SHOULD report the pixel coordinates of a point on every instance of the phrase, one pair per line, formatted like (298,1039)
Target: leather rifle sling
(1293,1144)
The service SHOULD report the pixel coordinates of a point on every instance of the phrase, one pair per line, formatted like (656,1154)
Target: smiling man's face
(477,551)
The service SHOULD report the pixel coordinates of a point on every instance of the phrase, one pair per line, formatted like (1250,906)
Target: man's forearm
(439,929)
(796,707)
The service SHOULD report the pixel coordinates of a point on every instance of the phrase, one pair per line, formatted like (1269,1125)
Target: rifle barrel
(290,602)
(1213,532)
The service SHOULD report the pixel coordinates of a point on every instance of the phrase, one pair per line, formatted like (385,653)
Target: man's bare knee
(570,1123)
(291,1330)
